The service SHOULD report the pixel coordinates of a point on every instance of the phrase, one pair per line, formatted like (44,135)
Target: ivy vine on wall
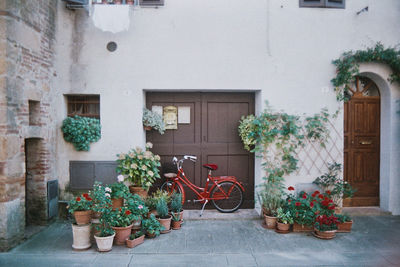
(81,131)
(347,66)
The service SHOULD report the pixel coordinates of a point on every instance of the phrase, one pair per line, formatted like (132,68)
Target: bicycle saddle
(213,167)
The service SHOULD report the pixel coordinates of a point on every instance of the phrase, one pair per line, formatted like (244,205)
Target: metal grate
(52,198)
(84,105)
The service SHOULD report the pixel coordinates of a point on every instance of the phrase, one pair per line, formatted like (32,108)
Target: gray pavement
(374,241)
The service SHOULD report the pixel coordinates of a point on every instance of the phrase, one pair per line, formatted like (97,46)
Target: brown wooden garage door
(211,135)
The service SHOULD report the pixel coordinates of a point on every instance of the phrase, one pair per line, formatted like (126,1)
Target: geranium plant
(326,223)
(152,226)
(101,197)
(80,203)
(139,167)
(104,226)
(122,217)
(137,205)
(153,120)
(118,189)
(301,207)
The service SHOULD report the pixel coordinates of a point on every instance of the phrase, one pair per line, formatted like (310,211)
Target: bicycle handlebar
(179,163)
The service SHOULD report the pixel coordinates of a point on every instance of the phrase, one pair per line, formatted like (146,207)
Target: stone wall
(27,36)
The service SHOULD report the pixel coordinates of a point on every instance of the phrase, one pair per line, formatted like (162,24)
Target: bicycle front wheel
(232,202)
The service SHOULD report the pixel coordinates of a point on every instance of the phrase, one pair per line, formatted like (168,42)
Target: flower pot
(82,217)
(345,227)
(302,228)
(283,226)
(148,235)
(135,242)
(152,212)
(122,234)
(325,234)
(138,190)
(176,225)
(81,236)
(338,210)
(137,224)
(147,128)
(166,223)
(104,244)
(130,2)
(117,203)
(270,221)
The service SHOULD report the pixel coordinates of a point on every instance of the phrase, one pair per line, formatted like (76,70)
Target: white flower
(140,157)
(157,157)
(134,166)
(149,145)
(108,189)
(144,167)
(120,178)
(108,194)
(131,154)
(147,155)
(150,173)
(122,156)
(138,150)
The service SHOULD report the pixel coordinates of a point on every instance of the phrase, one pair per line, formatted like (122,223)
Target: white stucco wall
(270,46)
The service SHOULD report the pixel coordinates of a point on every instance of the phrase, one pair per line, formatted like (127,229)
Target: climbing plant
(81,131)
(347,66)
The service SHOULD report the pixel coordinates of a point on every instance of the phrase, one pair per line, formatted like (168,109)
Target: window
(323,3)
(84,105)
(34,112)
(151,2)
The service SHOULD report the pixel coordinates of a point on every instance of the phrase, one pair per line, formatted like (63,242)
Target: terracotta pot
(166,223)
(302,228)
(150,235)
(104,244)
(135,242)
(180,215)
(176,225)
(130,2)
(147,128)
(138,190)
(338,210)
(137,224)
(345,227)
(325,234)
(122,234)
(81,236)
(117,203)
(117,2)
(82,217)
(270,221)
(283,226)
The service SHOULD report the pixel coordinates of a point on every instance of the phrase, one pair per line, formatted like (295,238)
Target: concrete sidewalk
(374,241)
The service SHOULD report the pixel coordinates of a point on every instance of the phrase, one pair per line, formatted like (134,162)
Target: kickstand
(205,203)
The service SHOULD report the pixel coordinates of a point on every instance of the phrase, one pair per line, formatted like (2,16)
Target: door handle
(365,142)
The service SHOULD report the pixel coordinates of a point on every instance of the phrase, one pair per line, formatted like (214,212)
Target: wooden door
(362,143)
(211,135)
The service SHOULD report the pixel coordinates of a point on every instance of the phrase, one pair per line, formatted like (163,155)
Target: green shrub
(81,131)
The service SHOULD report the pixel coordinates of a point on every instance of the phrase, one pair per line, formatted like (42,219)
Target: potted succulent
(163,217)
(135,239)
(81,208)
(345,223)
(121,222)
(285,219)
(325,226)
(137,206)
(151,202)
(176,205)
(118,192)
(271,199)
(140,168)
(153,120)
(104,233)
(152,226)
(176,220)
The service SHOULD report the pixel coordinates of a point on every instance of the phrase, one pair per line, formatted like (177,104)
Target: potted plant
(176,220)
(152,226)
(325,226)
(135,239)
(104,233)
(301,208)
(163,217)
(151,203)
(270,197)
(81,131)
(153,120)
(81,208)
(130,2)
(118,192)
(176,205)
(285,219)
(345,223)
(100,199)
(121,222)
(137,206)
(140,168)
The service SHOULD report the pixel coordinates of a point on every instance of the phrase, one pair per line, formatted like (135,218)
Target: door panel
(212,136)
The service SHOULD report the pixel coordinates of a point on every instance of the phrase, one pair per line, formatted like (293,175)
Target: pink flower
(140,207)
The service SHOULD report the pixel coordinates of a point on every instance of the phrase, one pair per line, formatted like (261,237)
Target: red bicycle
(225,192)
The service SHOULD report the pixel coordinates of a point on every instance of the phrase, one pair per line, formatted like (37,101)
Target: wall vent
(52,198)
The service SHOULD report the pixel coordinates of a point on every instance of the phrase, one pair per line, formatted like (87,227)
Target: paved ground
(375,241)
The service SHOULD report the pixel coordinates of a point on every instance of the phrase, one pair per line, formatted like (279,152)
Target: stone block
(3,148)
(12,223)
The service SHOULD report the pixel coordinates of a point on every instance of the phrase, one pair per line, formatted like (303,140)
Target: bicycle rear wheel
(234,200)
(171,188)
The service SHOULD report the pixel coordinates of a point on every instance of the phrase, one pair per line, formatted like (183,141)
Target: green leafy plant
(80,203)
(342,218)
(158,194)
(118,190)
(301,207)
(247,131)
(136,205)
(104,227)
(153,120)
(162,208)
(316,127)
(81,131)
(284,216)
(326,223)
(151,202)
(176,202)
(101,197)
(270,197)
(176,216)
(152,225)
(122,217)
(139,167)
(136,235)
(347,66)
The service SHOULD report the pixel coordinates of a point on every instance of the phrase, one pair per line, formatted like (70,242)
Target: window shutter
(151,2)
(312,3)
(335,3)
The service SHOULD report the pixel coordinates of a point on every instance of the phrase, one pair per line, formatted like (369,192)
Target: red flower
(325,203)
(290,188)
(313,195)
(120,209)
(89,199)
(321,196)
(316,192)
(330,201)
(85,195)
(328,192)
(298,204)
(128,212)
(289,200)
(331,207)
(304,196)
(78,199)
(311,204)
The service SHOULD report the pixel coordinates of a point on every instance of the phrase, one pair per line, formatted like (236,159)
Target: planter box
(135,242)
(302,228)
(344,227)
